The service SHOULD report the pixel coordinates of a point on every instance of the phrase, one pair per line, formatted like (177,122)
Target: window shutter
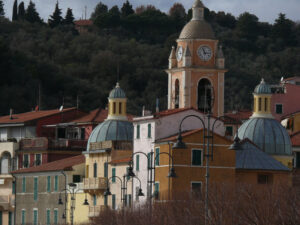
(113,198)
(105,169)
(56,183)
(157,156)
(149,130)
(48,216)
(23,217)
(35,217)
(48,184)
(55,216)
(137,163)
(35,187)
(113,172)
(138,131)
(95,169)
(24,185)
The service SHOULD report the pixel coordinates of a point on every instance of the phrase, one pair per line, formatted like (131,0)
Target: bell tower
(197,67)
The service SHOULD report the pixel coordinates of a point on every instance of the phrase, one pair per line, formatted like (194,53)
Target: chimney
(10,114)
(157,105)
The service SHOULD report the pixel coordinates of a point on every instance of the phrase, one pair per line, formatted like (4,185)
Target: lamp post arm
(137,179)
(134,153)
(114,177)
(198,117)
(164,153)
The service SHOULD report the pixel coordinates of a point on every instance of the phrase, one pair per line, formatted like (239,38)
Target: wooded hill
(131,46)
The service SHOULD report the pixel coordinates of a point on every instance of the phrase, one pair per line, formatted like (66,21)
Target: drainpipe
(63,173)
(15,210)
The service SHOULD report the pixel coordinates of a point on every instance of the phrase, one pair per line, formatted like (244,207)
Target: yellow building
(292,122)
(109,145)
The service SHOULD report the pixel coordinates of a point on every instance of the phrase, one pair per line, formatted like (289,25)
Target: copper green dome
(117,92)
(262,88)
(111,130)
(268,134)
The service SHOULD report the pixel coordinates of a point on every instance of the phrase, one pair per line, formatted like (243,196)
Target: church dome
(268,134)
(197,29)
(262,88)
(117,92)
(112,130)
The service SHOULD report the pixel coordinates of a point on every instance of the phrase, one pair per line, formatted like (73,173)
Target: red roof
(170,112)
(83,22)
(63,164)
(118,161)
(295,139)
(291,78)
(31,116)
(238,116)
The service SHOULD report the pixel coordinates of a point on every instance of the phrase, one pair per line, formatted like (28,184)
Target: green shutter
(106,169)
(105,200)
(56,183)
(24,184)
(156,190)
(35,217)
(127,170)
(113,199)
(35,189)
(157,157)
(48,184)
(9,218)
(149,130)
(95,169)
(196,157)
(149,160)
(137,163)
(23,217)
(113,172)
(138,131)
(94,200)
(1,218)
(48,217)
(55,216)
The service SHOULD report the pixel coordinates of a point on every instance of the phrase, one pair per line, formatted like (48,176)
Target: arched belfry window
(177,94)
(205,95)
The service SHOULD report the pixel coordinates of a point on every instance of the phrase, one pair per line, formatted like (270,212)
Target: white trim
(196,149)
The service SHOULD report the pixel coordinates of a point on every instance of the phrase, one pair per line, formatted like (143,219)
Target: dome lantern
(198,10)
(117,104)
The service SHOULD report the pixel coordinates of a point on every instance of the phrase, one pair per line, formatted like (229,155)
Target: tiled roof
(174,111)
(31,116)
(95,116)
(250,157)
(63,164)
(295,139)
(238,116)
(83,22)
(118,161)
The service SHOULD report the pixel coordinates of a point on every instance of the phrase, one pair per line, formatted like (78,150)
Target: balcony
(43,143)
(116,145)
(94,211)
(7,201)
(95,183)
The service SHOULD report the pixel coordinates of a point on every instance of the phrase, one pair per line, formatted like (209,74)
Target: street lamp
(72,191)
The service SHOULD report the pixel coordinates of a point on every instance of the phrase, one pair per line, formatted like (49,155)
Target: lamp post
(181,145)
(72,191)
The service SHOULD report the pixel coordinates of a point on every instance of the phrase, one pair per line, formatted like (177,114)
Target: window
(137,189)
(106,169)
(48,184)
(94,200)
(1,216)
(266,104)
(24,184)
(35,217)
(38,160)
(120,108)
(279,109)
(196,189)
(48,217)
(105,200)
(10,218)
(196,157)
(55,216)
(264,179)
(13,187)
(25,161)
(229,131)
(56,183)
(157,157)
(205,95)
(114,108)
(297,159)
(113,199)
(254,105)
(149,130)
(95,169)
(5,163)
(129,200)
(176,94)
(138,132)
(35,188)
(82,133)
(76,178)
(137,163)
(259,104)
(113,172)
(23,217)
(156,190)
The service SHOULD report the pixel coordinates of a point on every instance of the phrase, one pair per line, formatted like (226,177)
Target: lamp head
(64,216)
(236,145)
(172,173)
(85,202)
(107,192)
(60,202)
(140,192)
(179,144)
(130,171)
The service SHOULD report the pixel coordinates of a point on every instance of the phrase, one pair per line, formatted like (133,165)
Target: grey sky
(266,10)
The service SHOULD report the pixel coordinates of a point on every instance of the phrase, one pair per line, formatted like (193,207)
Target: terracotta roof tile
(118,161)
(239,116)
(295,139)
(62,164)
(83,22)
(30,116)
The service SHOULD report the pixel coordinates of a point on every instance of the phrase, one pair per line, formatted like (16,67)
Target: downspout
(63,173)
(15,210)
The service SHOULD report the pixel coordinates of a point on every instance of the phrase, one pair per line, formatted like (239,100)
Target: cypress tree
(21,13)
(127,9)
(69,18)
(56,18)
(15,11)
(1,9)
(31,15)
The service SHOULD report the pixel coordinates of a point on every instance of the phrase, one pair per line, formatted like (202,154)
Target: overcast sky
(266,10)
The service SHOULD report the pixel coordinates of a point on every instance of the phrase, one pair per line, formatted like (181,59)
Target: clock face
(179,53)
(204,53)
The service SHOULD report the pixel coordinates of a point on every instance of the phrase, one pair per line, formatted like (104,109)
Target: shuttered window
(196,157)
(35,217)
(48,184)
(138,132)
(157,157)
(56,183)
(35,189)
(149,130)
(55,217)
(113,198)
(105,200)
(113,172)
(95,169)
(105,169)
(23,219)
(137,162)
(24,184)
(48,217)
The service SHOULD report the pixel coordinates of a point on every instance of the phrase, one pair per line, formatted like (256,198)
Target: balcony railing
(95,210)
(117,145)
(95,183)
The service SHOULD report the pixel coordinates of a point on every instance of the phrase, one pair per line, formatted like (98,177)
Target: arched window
(205,95)
(114,108)
(254,105)
(177,94)
(266,104)
(5,163)
(259,104)
(120,108)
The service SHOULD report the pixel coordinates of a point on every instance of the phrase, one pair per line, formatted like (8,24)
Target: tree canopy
(56,18)
(31,15)
(2,13)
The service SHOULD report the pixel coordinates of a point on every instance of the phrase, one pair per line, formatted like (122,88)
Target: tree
(56,18)
(21,13)
(100,9)
(177,10)
(69,18)
(283,29)
(126,9)
(1,9)
(247,26)
(15,11)
(31,15)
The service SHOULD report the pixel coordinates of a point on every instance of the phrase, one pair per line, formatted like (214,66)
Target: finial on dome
(198,10)
(262,81)
(117,85)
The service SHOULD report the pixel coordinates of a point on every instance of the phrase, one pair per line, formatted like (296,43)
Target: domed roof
(117,92)
(112,130)
(268,134)
(262,88)
(197,29)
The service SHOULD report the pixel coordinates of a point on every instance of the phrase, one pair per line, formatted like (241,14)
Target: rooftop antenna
(85,9)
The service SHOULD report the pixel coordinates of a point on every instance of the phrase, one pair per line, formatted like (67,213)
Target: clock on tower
(196,67)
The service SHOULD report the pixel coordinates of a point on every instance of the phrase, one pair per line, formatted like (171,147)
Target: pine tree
(15,11)
(56,18)
(127,9)
(31,15)
(21,11)
(1,9)
(69,18)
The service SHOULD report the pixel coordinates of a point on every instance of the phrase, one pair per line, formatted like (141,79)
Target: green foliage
(31,15)
(247,26)
(21,11)
(56,18)
(99,10)
(69,18)
(15,11)
(1,9)
(126,9)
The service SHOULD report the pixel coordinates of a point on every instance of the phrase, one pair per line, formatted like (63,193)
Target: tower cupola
(117,104)
(198,10)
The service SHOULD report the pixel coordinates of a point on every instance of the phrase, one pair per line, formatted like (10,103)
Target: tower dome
(262,88)
(117,92)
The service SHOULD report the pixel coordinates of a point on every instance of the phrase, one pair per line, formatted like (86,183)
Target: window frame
(149,130)
(279,104)
(157,156)
(55,183)
(138,131)
(113,175)
(137,163)
(35,188)
(197,149)
(28,161)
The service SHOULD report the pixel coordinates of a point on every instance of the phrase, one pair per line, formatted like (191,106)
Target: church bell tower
(197,67)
